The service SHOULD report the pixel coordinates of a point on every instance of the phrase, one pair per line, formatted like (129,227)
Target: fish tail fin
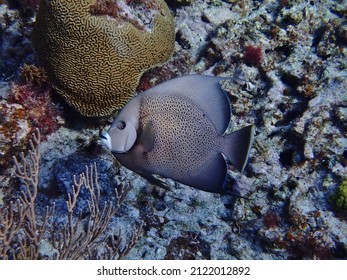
(237,146)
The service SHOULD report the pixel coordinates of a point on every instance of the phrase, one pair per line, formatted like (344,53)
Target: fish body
(176,130)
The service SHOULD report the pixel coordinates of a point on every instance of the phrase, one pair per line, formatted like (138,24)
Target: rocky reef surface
(293,53)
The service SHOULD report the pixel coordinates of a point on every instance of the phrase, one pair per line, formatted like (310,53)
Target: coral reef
(293,188)
(38,107)
(94,61)
(296,99)
(27,107)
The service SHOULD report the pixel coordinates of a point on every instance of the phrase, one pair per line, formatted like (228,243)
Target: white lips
(106,140)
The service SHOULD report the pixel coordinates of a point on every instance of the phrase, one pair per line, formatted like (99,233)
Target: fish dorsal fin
(205,93)
(146,139)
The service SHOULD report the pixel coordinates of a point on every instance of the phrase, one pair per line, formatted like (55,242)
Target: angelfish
(177,130)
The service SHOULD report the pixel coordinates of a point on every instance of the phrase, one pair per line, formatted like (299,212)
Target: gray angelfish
(176,130)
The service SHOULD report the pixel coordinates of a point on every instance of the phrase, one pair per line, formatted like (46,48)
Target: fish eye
(121,125)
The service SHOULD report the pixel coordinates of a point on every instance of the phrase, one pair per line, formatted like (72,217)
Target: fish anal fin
(210,177)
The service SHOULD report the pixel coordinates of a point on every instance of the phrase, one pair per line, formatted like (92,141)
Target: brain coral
(92,60)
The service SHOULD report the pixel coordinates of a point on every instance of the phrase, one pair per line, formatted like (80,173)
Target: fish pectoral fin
(210,177)
(146,139)
(155,181)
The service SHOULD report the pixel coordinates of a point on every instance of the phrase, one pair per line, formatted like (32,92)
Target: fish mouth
(105,139)
(117,152)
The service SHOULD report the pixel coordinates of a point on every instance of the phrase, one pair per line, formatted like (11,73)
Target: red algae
(271,220)
(27,108)
(252,56)
(39,110)
(105,7)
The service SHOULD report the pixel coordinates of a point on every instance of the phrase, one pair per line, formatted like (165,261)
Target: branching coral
(22,230)
(94,61)
(74,242)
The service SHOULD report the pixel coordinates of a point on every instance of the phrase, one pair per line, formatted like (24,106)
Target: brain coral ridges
(92,61)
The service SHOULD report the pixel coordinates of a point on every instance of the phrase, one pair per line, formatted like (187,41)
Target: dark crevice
(297,104)
(318,35)
(290,80)
(178,4)
(284,50)
(286,157)
(292,111)
(340,13)
(341,36)
(287,20)
(339,251)
(212,54)
(293,151)
(338,119)
(183,42)
(259,120)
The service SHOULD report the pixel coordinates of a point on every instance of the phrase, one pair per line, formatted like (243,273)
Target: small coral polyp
(94,60)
